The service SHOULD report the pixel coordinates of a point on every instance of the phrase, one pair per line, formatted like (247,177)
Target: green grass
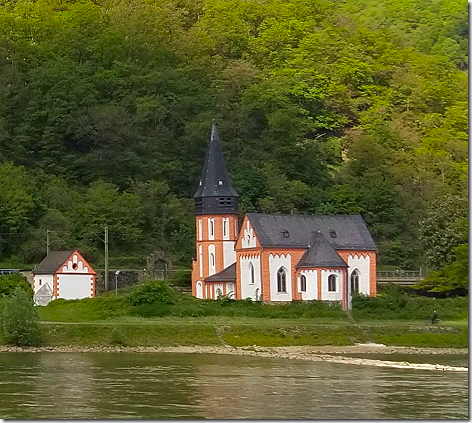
(422,336)
(109,334)
(153,314)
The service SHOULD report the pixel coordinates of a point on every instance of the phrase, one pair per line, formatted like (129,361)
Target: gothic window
(332,283)
(282,280)
(355,282)
(211,228)
(251,274)
(302,283)
(200,229)
(212,259)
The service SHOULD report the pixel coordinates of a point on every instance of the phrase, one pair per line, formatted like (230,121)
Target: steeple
(215,195)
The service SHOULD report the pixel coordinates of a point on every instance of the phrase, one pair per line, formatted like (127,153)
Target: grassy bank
(153,314)
(163,332)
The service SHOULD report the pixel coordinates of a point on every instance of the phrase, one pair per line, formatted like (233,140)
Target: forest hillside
(322,107)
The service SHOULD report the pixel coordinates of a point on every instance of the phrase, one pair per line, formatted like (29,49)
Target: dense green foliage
(323,106)
(451,277)
(396,304)
(8,284)
(19,319)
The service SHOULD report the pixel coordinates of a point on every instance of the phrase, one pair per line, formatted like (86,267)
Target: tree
(451,277)
(20,319)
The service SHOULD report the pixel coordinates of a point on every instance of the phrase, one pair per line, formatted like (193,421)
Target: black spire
(215,195)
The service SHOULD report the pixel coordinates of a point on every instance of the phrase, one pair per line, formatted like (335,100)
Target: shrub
(8,283)
(20,320)
(151,292)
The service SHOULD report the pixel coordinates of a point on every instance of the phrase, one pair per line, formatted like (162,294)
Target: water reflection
(131,385)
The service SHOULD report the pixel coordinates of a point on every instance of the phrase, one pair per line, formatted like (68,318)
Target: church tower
(216,218)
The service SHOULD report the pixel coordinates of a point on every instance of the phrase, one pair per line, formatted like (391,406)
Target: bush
(151,292)
(20,320)
(8,283)
(395,304)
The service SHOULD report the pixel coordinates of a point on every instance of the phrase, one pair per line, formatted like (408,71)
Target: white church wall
(44,279)
(74,286)
(276,261)
(229,254)
(362,264)
(248,289)
(218,290)
(335,295)
(311,292)
(230,289)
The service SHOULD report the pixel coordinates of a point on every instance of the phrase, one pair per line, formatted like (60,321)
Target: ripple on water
(127,385)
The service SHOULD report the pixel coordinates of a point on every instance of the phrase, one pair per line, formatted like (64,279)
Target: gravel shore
(329,353)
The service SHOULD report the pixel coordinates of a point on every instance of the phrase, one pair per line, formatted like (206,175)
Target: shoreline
(328,353)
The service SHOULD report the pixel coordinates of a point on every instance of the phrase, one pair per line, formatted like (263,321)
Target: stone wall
(124,278)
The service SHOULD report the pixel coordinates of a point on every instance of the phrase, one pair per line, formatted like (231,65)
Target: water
(167,386)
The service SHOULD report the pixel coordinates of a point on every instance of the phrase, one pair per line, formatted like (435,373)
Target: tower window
(198,202)
(333,234)
(225,201)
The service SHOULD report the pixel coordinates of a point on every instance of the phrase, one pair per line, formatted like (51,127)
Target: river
(166,386)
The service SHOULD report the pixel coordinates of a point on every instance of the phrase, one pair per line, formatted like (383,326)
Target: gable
(296,231)
(247,237)
(66,261)
(75,263)
(321,254)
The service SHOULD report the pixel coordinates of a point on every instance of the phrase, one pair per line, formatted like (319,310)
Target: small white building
(63,274)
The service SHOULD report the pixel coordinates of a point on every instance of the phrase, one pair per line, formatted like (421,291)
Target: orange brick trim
(93,287)
(55,284)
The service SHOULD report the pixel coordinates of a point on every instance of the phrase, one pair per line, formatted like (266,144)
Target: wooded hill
(322,106)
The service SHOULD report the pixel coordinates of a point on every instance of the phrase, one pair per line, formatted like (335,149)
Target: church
(275,257)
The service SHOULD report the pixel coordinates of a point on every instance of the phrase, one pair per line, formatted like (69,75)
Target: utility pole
(106,258)
(47,241)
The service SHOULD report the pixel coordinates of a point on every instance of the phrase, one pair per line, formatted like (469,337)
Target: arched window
(211,228)
(199,290)
(281,280)
(225,228)
(302,283)
(355,282)
(212,259)
(332,283)
(251,274)
(219,293)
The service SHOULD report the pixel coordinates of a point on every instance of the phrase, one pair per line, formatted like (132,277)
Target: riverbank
(328,354)
(247,332)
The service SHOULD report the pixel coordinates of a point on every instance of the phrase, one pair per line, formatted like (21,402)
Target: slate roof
(215,181)
(296,231)
(226,275)
(321,254)
(52,262)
